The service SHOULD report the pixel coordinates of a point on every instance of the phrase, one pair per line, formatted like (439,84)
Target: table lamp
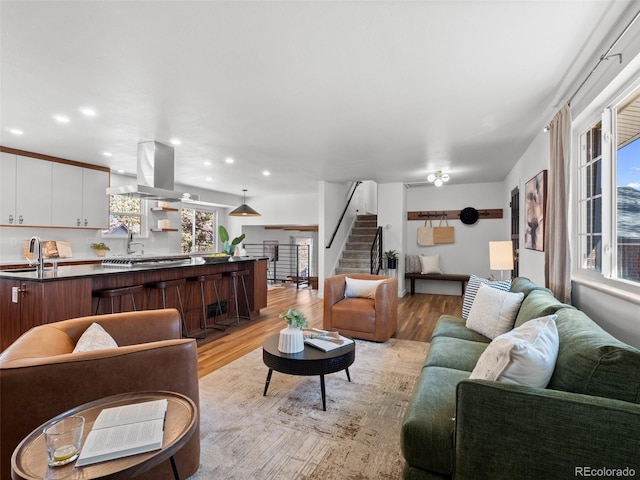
(501,256)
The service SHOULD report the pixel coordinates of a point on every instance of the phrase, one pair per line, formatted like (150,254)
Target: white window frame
(216,221)
(604,109)
(144,221)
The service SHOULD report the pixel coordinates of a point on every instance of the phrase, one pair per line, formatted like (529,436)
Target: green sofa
(585,423)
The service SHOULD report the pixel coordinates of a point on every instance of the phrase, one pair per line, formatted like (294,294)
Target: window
(590,200)
(125,215)
(609,193)
(198,230)
(627,192)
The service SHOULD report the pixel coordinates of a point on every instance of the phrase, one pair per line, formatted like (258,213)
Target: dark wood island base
(68,293)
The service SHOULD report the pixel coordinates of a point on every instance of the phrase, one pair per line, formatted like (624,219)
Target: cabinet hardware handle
(86,222)
(78,222)
(11,219)
(20,219)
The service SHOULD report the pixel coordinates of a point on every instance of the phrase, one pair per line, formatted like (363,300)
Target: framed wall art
(535,192)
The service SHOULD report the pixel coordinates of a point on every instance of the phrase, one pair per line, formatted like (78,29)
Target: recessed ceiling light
(207,163)
(61,118)
(175,141)
(209,179)
(229,160)
(16,131)
(120,171)
(266,173)
(107,154)
(87,111)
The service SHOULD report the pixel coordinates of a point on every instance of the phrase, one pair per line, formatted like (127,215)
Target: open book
(124,431)
(324,340)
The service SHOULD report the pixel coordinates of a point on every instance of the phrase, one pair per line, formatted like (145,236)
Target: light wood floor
(417,315)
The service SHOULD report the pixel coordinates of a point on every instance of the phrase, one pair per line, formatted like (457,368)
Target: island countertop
(59,272)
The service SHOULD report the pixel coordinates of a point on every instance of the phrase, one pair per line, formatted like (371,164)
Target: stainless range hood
(155,175)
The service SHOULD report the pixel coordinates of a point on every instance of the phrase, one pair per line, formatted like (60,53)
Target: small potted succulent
(100,248)
(291,338)
(392,259)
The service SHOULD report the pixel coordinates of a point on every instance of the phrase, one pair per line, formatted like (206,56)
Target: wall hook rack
(486,213)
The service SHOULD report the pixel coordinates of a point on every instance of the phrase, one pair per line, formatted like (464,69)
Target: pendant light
(244,210)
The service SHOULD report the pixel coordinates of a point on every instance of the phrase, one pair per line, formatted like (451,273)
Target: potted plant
(228,247)
(291,338)
(392,259)
(100,248)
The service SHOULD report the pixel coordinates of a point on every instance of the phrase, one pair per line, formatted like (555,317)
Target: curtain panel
(556,232)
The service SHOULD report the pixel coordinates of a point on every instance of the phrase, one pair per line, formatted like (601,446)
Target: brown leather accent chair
(373,319)
(41,378)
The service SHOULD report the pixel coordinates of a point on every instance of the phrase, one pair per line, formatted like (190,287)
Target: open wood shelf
(163,209)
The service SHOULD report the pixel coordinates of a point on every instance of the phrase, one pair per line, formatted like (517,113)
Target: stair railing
(376,252)
(335,232)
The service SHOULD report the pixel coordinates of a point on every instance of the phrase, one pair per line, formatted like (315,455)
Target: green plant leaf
(224,235)
(237,240)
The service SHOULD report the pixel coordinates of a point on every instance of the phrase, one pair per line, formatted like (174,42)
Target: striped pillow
(472,289)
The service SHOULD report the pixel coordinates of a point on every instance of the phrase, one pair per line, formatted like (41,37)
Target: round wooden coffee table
(311,361)
(29,459)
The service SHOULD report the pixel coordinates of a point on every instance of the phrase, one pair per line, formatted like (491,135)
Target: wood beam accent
(452,214)
(301,228)
(40,156)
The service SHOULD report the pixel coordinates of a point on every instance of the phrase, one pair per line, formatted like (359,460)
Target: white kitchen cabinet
(79,197)
(7,189)
(66,200)
(33,191)
(95,201)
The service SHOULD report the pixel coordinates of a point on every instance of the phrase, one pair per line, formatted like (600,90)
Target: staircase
(356,256)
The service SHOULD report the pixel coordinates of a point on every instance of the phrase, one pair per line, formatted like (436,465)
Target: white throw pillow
(524,356)
(493,311)
(430,264)
(94,338)
(472,289)
(357,288)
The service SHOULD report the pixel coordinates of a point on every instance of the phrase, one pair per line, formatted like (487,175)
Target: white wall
(392,213)
(470,252)
(534,160)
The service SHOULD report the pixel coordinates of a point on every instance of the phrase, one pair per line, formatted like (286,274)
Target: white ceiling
(310,90)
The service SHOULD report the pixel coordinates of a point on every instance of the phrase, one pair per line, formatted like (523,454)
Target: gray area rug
(287,435)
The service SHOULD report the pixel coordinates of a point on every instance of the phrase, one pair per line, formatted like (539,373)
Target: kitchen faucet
(35,249)
(130,242)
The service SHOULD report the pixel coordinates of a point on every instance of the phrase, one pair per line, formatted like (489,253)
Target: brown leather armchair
(40,377)
(373,319)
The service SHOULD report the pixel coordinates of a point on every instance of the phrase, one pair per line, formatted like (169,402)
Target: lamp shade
(244,210)
(501,255)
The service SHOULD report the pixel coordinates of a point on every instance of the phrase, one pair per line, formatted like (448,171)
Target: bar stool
(120,292)
(202,280)
(162,286)
(240,274)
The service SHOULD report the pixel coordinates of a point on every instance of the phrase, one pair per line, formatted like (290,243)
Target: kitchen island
(28,298)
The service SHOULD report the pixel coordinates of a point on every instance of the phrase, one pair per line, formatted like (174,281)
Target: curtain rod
(606,55)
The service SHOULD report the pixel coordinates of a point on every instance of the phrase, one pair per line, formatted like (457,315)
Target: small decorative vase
(291,340)
(101,253)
